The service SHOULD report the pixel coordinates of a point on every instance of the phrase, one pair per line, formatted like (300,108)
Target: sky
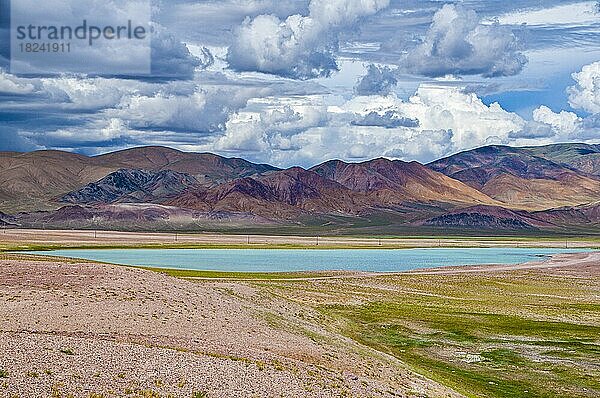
(301,82)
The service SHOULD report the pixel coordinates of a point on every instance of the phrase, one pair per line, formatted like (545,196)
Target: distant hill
(36,180)
(487,217)
(583,157)
(494,188)
(208,169)
(586,217)
(520,178)
(279,194)
(283,194)
(31,181)
(392,182)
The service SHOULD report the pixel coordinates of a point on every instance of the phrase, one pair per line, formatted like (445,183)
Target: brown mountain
(209,169)
(583,218)
(280,194)
(388,182)
(335,187)
(520,179)
(35,180)
(494,188)
(587,216)
(30,181)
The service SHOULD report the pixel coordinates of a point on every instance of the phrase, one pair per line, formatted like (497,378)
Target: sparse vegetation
(506,335)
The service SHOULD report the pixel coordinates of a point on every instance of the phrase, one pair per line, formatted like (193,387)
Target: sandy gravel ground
(77,237)
(77,329)
(582,264)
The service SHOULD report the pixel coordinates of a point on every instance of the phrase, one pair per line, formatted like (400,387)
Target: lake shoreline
(202,262)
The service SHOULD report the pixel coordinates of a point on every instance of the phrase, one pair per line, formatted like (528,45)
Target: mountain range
(553,188)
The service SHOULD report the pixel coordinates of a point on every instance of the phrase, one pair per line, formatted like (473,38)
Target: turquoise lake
(288,260)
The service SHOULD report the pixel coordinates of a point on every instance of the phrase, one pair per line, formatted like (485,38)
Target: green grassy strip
(190,274)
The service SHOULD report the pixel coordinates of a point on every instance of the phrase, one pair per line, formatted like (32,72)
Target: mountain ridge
(492,187)
(520,178)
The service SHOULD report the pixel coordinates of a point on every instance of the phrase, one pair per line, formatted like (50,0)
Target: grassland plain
(531,332)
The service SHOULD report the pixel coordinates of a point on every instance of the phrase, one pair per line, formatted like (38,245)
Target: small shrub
(67,351)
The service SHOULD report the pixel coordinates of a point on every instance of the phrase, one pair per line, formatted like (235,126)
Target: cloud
(378,80)
(458,43)
(569,15)
(80,112)
(586,93)
(272,130)
(159,55)
(389,120)
(288,121)
(200,111)
(445,107)
(87,94)
(172,59)
(436,121)
(564,123)
(10,84)
(361,143)
(107,57)
(12,140)
(533,130)
(299,47)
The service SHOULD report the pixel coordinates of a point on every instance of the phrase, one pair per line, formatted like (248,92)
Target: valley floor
(38,238)
(72,328)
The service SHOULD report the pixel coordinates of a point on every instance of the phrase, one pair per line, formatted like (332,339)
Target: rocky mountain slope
(492,188)
(586,217)
(132,186)
(280,194)
(519,178)
(36,180)
(393,182)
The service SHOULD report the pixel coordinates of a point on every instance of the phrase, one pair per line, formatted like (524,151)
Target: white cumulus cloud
(10,84)
(299,47)
(378,80)
(458,43)
(436,121)
(586,93)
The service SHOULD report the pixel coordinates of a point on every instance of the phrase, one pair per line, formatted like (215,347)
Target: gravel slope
(87,330)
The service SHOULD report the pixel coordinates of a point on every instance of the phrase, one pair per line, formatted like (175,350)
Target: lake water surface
(288,260)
